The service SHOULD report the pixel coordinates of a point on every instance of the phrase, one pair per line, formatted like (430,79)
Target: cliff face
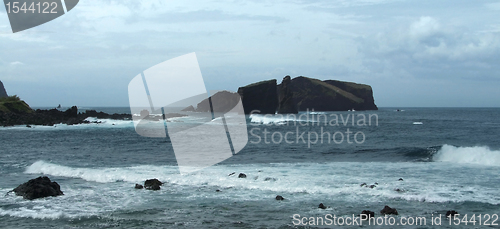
(260,96)
(3,93)
(331,95)
(286,99)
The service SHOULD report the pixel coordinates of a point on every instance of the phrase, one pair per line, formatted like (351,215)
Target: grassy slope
(14,104)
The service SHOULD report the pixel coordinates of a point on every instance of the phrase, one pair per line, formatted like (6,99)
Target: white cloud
(16,63)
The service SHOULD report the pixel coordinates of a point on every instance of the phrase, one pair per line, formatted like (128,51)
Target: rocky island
(294,95)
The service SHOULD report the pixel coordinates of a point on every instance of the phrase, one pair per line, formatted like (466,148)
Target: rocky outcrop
(3,93)
(278,197)
(261,96)
(242,175)
(331,95)
(14,111)
(222,101)
(38,188)
(389,211)
(152,184)
(366,214)
(286,100)
(322,206)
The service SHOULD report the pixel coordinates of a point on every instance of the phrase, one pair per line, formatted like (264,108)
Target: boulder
(400,179)
(285,95)
(388,211)
(3,93)
(138,186)
(38,188)
(261,96)
(451,213)
(152,184)
(322,206)
(364,184)
(278,197)
(365,214)
(242,175)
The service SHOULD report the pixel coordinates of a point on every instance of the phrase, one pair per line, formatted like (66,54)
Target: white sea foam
(481,155)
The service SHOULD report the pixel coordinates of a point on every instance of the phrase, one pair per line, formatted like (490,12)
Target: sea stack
(261,96)
(286,103)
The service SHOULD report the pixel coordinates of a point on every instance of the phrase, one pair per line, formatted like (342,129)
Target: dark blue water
(449,159)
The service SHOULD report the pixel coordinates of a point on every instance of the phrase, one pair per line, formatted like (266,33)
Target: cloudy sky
(413,53)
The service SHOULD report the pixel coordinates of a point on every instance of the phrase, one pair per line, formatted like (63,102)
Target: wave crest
(481,155)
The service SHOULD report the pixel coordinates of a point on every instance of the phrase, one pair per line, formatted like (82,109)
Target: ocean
(448,159)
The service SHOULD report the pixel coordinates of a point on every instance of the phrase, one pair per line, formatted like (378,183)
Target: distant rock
(38,188)
(3,92)
(278,197)
(451,213)
(365,214)
(190,108)
(389,211)
(138,186)
(364,184)
(400,179)
(286,100)
(242,175)
(261,96)
(270,179)
(322,206)
(231,174)
(222,102)
(152,184)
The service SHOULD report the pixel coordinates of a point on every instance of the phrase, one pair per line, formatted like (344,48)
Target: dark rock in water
(190,108)
(231,174)
(261,96)
(399,190)
(138,186)
(269,179)
(3,93)
(372,186)
(365,214)
(285,95)
(331,95)
(152,184)
(38,188)
(388,211)
(218,190)
(278,197)
(322,206)
(400,179)
(364,184)
(375,183)
(451,213)
(28,126)
(222,102)
(242,175)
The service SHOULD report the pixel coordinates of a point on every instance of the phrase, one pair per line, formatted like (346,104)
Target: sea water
(448,159)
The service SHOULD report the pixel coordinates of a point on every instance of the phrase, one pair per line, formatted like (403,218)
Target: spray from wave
(481,155)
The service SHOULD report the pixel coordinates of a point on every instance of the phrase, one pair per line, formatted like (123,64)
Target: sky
(413,53)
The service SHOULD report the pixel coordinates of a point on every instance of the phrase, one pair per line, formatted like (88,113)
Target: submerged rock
(152,184)
(278,197)
(38,188)
(388,211)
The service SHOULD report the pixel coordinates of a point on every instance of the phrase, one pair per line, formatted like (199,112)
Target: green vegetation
(14,104)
